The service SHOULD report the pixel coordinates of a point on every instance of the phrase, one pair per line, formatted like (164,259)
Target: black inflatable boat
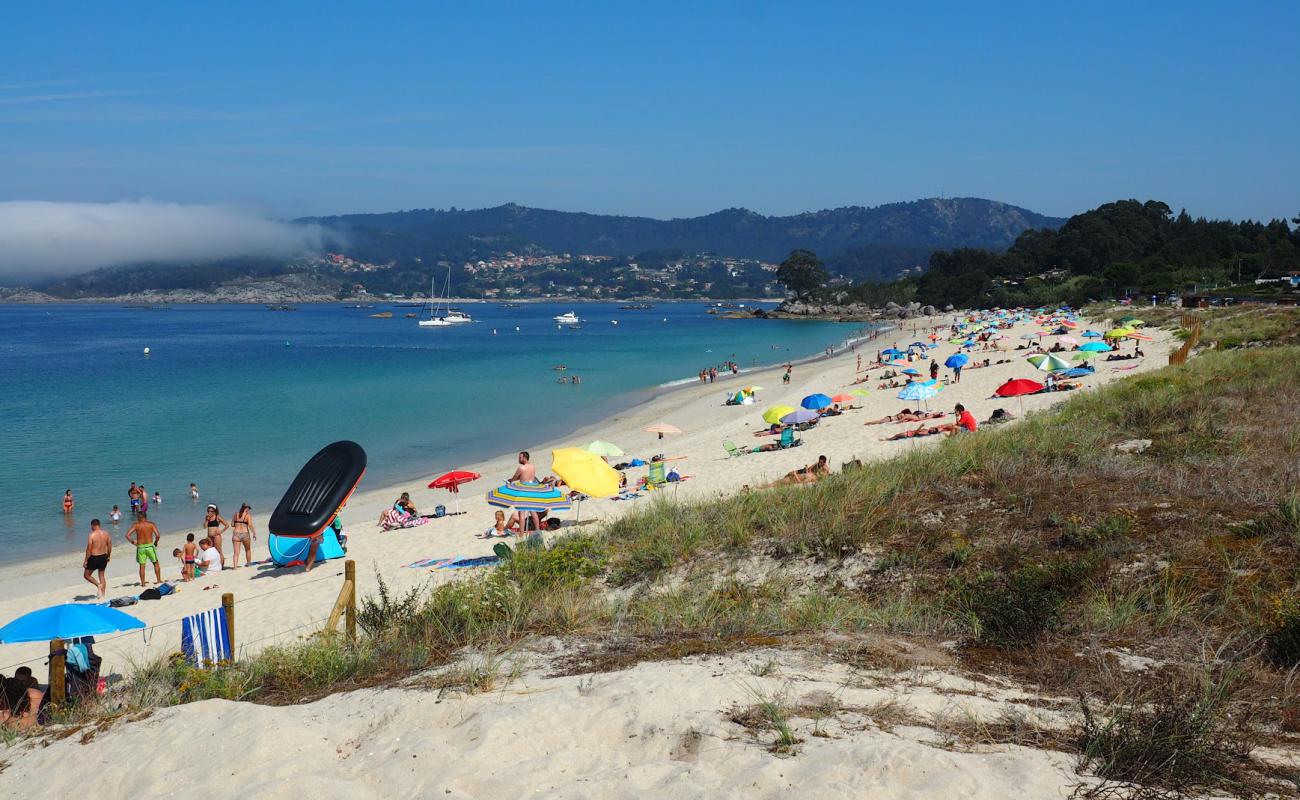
(322,487)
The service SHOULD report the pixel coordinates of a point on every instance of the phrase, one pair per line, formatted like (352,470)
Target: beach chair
(205,639)
(656,475)
(731,448)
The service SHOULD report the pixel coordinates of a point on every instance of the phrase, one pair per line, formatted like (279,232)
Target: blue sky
(660,109)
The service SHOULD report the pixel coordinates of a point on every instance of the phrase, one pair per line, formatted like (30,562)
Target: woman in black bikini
(215,526)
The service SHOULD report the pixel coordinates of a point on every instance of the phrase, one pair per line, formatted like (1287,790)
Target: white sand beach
(275,606)
(666,728)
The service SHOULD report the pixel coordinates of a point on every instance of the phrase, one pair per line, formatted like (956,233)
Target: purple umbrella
(800,416)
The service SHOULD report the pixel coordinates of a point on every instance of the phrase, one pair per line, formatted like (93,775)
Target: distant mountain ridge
(893,234)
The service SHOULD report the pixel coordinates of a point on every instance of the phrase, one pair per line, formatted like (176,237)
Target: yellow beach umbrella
(1117,333)
(584,472)
(773,415)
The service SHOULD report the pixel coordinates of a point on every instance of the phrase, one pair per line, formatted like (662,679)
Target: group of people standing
(144,536)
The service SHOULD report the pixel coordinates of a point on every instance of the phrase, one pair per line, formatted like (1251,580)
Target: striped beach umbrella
(1049,362)
(528,497)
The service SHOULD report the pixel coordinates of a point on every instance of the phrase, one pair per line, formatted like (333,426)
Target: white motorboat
(567,318)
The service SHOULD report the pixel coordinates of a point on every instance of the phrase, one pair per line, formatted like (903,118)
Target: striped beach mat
(205,639)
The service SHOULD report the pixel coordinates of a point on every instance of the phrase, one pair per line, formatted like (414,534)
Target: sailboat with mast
(439,318)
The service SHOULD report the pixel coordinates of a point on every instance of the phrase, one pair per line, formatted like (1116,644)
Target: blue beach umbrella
(816,402)
(956,360)
(800,417)
(910,371)
(1076,372)
(528,497)
(67,621)
(1091,335)
(921,345)
(917,391)
(893,351)
(1096,347)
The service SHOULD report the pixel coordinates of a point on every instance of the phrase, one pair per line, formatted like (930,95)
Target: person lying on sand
(809,474)
(907,415)
(912,433)
(999,416)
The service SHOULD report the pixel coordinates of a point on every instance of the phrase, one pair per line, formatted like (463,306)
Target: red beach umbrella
(451,481)
(1018,387)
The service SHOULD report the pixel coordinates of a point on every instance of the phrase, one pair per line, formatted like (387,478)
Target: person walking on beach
(144,535)
(99,548)
(68,502)
(244,534)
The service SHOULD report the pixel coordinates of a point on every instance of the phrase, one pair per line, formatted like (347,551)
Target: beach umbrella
(1118,333)
(661,428)
(1049,362)
(67,621)
(773,415)
(1082,355)
(752,389)
(910,371)
(799,416)
(860,393)
(921,345)
(1068,340)
(1124,320)
(528,497)
(603,448)
(1076,372)
(957,360)
(1018,387)
(1069,323)
(451,481)
(843,398)
(1029,336)
(816,402)
(1091,335)
(918,391)
(1096,347)
(585,472)
(893,351)
(1140,337)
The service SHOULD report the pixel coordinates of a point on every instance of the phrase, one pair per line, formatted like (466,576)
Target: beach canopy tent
(816,402)
(585,472)
(291,551)
(67,621)
(956,360)
(773,415)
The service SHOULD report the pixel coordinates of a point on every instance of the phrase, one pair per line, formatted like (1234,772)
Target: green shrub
(1013,608)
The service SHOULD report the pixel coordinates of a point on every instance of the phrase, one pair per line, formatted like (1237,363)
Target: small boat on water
(448,317)
(382,315)
(281,308)
(567,318)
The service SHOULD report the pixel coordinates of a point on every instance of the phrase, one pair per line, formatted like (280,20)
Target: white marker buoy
(146,351)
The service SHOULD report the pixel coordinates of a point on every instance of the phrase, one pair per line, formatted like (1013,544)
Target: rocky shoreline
(848,312)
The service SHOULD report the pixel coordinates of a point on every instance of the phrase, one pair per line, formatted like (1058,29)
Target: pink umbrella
(1068,340)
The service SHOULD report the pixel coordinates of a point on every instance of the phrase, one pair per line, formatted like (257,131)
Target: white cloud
(49,239)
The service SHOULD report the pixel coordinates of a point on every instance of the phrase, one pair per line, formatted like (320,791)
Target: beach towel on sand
(431,562)
(205,639)
(396,520)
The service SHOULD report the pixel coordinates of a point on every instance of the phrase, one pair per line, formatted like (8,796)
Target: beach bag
(118,602)
(166,589)
(440,511)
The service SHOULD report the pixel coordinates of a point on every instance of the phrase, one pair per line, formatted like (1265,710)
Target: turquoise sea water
(236,398)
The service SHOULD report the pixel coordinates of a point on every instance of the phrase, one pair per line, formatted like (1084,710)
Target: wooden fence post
(58,671)
(228,606)
(350,579)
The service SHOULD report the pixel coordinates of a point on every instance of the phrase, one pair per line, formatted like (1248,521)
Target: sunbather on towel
(393,519)
(809,474)
(907,415)
(912,433)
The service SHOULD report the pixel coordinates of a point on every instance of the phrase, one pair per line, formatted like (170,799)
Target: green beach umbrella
(603,448)
(1048,362)
(860,392)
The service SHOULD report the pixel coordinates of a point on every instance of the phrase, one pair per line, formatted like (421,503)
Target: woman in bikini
(243,534)
(68,502)
(215,526)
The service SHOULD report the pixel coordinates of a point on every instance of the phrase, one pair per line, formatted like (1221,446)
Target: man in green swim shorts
(144,535)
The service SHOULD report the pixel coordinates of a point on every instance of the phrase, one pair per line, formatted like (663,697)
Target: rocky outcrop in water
(839,309)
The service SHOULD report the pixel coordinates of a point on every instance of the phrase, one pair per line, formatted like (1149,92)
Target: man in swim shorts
(99,548)
(144,535)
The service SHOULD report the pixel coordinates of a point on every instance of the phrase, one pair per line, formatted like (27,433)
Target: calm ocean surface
(236,398)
